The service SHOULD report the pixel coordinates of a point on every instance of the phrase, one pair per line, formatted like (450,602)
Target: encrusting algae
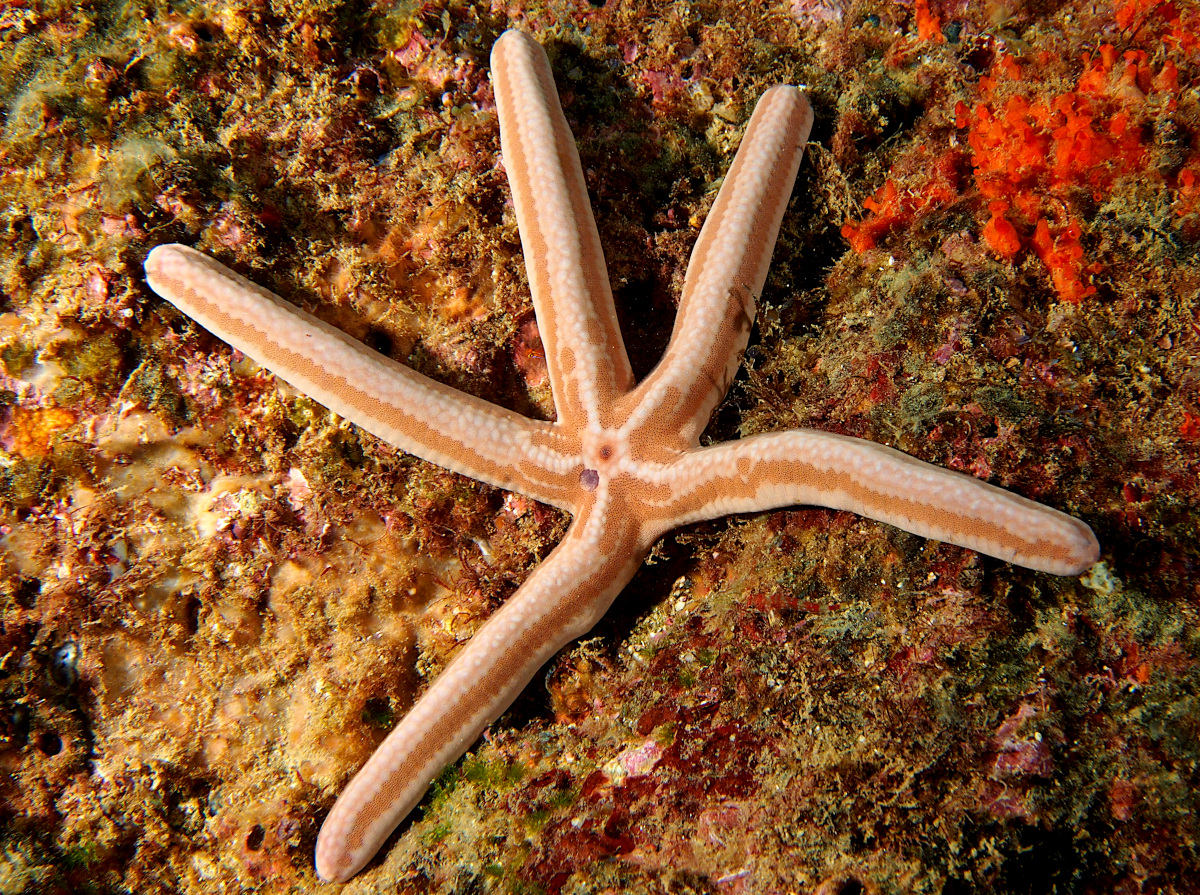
(217,598)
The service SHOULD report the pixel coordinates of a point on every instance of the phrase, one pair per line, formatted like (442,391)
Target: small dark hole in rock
(379,341)
(378,711)
(851,887)
(366,83)
(50,743)
(27,593)
(254,839)
(20,725)
(192,614)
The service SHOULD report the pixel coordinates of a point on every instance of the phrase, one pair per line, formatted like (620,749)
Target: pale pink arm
(822,469)
(561,600)
(399,405)
(585,354)
(727,271)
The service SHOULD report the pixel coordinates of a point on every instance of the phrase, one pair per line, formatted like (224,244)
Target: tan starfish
(623,459)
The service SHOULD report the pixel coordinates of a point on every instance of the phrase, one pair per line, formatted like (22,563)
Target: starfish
(623,458)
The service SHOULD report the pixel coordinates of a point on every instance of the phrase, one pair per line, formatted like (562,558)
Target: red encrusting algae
(929,26)
(1041,158)
(893,208)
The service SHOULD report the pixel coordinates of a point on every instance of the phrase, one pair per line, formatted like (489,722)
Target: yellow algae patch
(148,459)
(166,468)
(411,252)
(348,614)
(151,700)
(325,736)
(33,431)
(247,721)
(236,618)
(464,304)
(27,551)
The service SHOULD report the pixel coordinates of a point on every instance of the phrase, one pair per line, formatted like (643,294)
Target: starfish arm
(399,405)
(727,270)
(805,466)
(560,601)
(585,355)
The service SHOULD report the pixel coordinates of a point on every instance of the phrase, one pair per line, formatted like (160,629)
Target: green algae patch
(492,774)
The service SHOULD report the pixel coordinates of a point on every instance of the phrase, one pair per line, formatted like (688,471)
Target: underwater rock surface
(216,598)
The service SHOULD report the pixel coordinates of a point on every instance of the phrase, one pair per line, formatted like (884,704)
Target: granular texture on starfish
(624,459)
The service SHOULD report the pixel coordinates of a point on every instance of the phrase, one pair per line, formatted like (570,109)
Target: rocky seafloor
(216,597)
